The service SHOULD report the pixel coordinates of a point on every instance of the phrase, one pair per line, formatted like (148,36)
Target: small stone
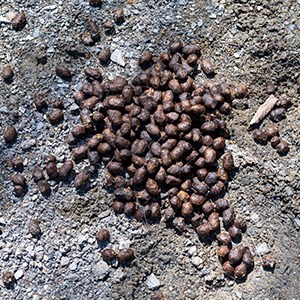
(196,261)
(192,251)
(74,107)
(124,244)
(254,217)
(19,274)
(72,277)
(297,222)
(101,270)
(82,239)
(262,249)
(152,282)
(26,145)
(39,248)
(64,261)
(239,294)
(73,266)
(118,276)
(117,58)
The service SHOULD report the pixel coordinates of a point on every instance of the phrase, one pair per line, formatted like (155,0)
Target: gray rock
(73,266)
(262,249)
(19,274)
(64,261)
(124,244)
(101,270)
(117,58)
(74,107)
(152,282)
(196,261)
(239,294)
(71,277)
(192,251)
(28,144)
(297,222)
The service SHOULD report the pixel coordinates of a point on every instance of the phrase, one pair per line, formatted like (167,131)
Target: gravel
(255,42)
(262,249)
(117,58)
(152,282)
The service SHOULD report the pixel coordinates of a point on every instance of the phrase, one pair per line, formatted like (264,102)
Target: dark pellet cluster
(271,132)
(19,182)
(161,133)
(124,256)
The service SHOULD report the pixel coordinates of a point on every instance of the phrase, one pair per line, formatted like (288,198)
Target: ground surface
(254,42)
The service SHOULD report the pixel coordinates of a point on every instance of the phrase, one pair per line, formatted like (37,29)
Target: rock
(118,276)
(74,107)
(192,251)
(124,244)
(73,266)
(196,261)
(19,274)
(239,294)
(262,249)
(101,270)
(71,277)
(152,282)
(254,217)
(82,239)
(117,58)
(64,261)
(26,145)
(297,222)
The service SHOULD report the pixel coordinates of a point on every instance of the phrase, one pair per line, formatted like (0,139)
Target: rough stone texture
(255,42)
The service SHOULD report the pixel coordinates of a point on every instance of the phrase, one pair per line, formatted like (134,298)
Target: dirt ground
(251,42)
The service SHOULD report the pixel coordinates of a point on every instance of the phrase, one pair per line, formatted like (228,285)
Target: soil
(251,42)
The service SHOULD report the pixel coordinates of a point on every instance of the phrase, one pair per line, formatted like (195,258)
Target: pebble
(19,274)
(82,239)
(71,277)
(117,58)
(28,144)
(196,261)
(73,266)
(254,217)
(39,248)
(64,261)
(262,249)
(192,251)
(239,294)
(297,222)
(124,244)
(152,282)
(101,270)
(74,107)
